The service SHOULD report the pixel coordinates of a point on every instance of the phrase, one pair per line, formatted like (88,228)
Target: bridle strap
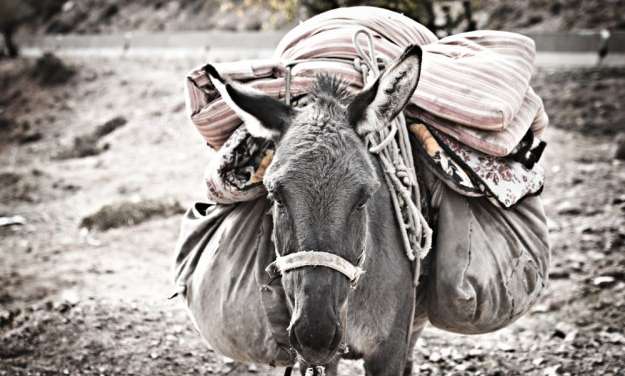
(303,259)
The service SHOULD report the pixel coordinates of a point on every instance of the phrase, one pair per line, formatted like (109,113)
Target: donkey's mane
(330,86)
(322,140)
(324,123)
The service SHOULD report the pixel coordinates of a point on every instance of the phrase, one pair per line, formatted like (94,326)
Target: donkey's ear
(379,103)
(263,115)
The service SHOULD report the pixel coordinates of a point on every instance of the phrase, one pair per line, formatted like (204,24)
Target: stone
(50,70)
(553,370)
(538,361)
(435,357)
(506,347)
(568,208)
(603,281)
(559,273)
(619,153)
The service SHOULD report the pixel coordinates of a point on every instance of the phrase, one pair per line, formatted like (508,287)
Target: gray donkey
(328,195)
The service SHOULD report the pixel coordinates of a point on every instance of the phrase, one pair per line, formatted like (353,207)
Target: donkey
(328,195)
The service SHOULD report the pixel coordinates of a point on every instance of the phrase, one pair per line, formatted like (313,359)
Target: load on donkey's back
(367,180)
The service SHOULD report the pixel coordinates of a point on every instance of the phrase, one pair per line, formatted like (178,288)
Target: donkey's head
(320,181)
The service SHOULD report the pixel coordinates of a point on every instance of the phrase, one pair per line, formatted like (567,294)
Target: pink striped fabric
(473,86)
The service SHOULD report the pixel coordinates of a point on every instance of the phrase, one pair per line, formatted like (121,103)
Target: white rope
(392,146)
(303,259)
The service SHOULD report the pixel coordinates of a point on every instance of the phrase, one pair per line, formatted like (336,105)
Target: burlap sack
(221,257)
(489,264)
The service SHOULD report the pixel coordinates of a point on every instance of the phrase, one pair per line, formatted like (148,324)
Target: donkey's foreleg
(394,356)
(391,356)
(389,359)
(332,368)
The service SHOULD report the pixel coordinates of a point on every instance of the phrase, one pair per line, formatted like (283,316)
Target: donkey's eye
(362,203)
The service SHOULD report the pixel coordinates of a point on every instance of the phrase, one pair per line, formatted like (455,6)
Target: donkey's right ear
(263,115)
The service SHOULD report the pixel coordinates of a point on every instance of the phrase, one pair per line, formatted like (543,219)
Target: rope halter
(303,259)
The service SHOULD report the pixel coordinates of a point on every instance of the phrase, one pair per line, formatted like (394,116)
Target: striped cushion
(474,86)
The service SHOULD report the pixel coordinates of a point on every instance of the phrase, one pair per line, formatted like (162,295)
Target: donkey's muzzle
(317,341)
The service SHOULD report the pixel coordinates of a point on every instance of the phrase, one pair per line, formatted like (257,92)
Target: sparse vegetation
(130,213)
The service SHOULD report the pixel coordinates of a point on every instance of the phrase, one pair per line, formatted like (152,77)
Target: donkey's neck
(385,290)
(383,235)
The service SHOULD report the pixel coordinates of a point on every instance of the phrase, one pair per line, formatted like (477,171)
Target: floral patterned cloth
(473,173)
(235,173)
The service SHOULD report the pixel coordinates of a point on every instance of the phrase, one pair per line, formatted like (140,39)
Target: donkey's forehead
(321,153)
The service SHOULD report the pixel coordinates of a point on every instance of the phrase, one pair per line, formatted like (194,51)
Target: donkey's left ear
(263,115)
(379,103)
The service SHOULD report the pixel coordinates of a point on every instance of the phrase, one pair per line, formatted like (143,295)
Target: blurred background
(98,161)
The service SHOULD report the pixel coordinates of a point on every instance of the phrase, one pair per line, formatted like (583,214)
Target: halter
(301,259)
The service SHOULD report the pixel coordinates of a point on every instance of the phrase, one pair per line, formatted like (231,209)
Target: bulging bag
(489,264)
(221,256)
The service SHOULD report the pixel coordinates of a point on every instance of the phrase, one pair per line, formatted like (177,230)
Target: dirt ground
(95,302)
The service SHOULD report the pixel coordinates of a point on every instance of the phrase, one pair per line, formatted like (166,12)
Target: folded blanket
(474,86)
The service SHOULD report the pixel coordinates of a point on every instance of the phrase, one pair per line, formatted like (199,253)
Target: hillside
(109,16)
(559,15)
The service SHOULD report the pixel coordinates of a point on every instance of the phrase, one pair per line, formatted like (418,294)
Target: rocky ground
(96,164)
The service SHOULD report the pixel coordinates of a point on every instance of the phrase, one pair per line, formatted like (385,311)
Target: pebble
(559,273)
(597,359)
(5,316)
(538,361)
(476,353)
(228,361)
(540,308)
(553,370)
(435,357)
(619,153)
(568,208)
(563,330)
(603,281)
(506,347)
(613,337)
(16,220)
(457,356)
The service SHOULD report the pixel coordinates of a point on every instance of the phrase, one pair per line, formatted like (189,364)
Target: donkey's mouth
(316,348)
